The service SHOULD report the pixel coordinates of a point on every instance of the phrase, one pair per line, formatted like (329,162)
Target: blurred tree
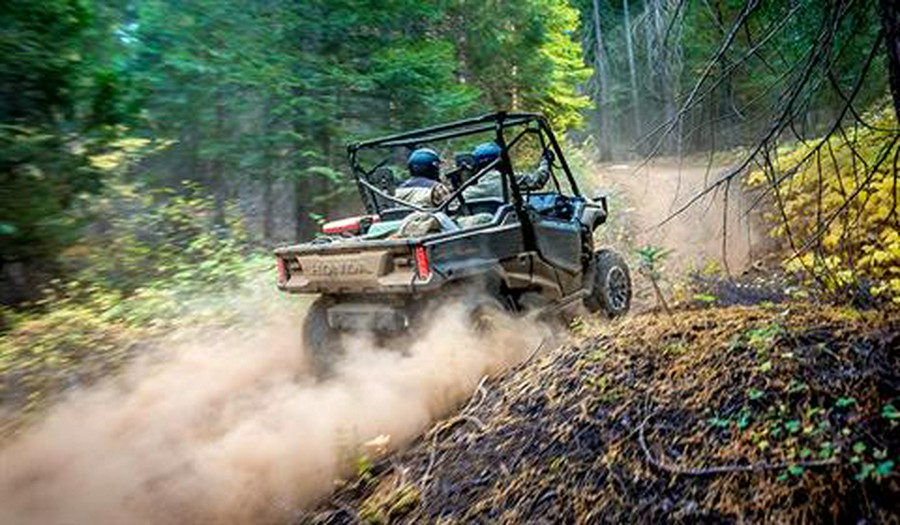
(58,100)
(713,74)
(260,93)
(523,56)
(270,91)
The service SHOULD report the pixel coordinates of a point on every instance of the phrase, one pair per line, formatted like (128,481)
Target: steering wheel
(562,208)
(455,182)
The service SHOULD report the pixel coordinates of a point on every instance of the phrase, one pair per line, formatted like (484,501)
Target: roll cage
(504,125)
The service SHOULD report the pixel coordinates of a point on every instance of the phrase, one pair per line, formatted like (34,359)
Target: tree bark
(629,44)
(890,21)
(662,68)
(600,60)
(268,215)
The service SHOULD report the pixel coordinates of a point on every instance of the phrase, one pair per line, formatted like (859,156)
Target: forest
(111,105)
(154,152)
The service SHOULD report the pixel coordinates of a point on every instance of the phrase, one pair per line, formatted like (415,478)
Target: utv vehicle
(523,249)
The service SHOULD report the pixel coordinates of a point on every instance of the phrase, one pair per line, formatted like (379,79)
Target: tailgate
(361,266)
(339,268)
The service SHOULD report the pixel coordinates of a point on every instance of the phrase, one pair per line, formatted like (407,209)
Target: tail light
(282,270)
(422,265)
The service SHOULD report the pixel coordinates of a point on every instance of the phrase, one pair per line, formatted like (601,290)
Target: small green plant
(795,470)
(717,422)
(675,348)
(744,418)
(383,508)
(606,392)
(877,471)
(845,402)
(576,325)
(705,298)
(650,265)
(364,468)
(763,338)
(557,463)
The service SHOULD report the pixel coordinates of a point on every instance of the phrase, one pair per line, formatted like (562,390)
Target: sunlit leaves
(841,211)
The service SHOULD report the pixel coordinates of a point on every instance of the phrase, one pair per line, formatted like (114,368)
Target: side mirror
(599,199)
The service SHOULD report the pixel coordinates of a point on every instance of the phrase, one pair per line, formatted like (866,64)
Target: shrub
(840,200)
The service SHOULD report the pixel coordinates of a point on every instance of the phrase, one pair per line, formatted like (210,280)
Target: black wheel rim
(619,289)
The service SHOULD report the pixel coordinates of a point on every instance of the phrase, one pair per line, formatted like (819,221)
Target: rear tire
(485,314)
(610,285)
(321,342)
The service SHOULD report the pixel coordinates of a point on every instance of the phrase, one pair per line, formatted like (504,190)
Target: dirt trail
(652,192)
(225,427)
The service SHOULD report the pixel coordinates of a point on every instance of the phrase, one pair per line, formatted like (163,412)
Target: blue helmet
(424,162)
(485,153)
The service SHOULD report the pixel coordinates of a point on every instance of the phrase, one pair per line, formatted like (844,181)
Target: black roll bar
(494,121)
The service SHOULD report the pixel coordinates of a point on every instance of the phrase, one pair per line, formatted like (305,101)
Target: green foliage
(786,420)
(385,507)
(150,261)
(302,78)
(650,264)
(525,56)
(58,100)
(242,90)
(674,45)
(845,402)
(763,338)
(144,235)
(651,259)
(68,345)
(704,298)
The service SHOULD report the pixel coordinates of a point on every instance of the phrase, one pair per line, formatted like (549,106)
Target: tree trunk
(890,21)
(603,88)
(663,69)
(268,217)
(629,44)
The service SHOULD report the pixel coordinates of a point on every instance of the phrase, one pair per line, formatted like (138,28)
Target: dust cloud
(655,190)
(226,427)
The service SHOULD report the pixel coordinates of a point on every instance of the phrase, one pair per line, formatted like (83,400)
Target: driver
(491,183)
(423,187)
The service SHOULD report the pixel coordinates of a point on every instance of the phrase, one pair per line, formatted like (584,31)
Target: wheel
(321,342)
(485,313)
(610,285)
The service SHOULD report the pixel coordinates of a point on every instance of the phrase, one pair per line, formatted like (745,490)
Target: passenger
(491,183)
(423,187)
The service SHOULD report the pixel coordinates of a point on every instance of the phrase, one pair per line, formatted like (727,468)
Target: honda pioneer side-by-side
(487,232)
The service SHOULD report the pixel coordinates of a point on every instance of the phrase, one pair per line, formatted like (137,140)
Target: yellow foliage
(124,151)
(841,211)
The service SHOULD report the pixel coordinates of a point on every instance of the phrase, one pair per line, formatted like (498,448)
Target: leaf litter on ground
(774,413)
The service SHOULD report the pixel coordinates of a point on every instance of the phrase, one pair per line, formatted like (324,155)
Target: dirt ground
(643,196)
(777,414)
